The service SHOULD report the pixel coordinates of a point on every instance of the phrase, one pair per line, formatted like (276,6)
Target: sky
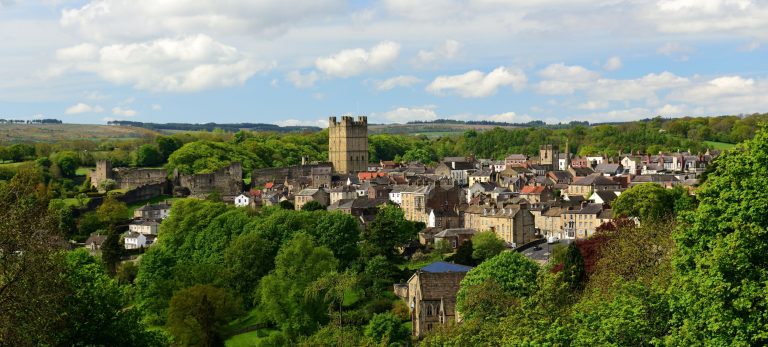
(297,62)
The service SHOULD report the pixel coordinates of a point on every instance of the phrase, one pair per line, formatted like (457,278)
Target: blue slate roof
(441,266)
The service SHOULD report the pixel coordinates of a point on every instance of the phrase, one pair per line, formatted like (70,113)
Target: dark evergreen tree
(111,251)
(573,268)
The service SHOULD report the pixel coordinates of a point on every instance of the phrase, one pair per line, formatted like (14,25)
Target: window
(430,311)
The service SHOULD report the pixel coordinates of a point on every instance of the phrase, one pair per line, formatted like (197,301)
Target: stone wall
(225,181)
(126,178)
(279,174)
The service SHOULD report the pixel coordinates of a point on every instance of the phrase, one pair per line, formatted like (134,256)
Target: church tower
(549,156)
(348,144)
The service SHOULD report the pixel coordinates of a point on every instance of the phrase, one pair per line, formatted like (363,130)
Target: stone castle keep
(348,144)
(227,181)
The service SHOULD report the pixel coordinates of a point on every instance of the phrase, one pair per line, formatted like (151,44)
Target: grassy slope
(719,145)
(11,133)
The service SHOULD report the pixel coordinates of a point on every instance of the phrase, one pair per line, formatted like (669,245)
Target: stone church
(348,144)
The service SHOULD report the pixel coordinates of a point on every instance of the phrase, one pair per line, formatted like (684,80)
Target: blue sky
(298,62)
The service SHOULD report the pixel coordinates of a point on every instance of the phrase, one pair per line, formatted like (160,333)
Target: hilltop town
(530,203)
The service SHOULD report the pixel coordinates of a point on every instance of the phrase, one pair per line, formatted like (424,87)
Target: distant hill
(233,127)
(12,133)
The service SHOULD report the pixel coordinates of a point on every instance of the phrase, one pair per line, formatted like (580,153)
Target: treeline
(479,122)
(690,274)
(235,127)
(31,121)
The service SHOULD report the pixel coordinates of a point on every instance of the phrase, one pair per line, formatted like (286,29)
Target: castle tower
(348,144)
(549,156)
(102,172)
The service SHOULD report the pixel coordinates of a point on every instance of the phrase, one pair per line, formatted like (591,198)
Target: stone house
(513,223)
(455,236)
(581,222)
(94,242)
(378,191)
(431,295)
(443,219)
(153,212)
(458,171)
(584,186)
(342,192)
(535,194)
(311,194)
(146,227)
(516,160)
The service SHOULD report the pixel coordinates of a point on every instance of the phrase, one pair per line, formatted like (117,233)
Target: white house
(595,160)
(137,240)
(145,227)
(242,200)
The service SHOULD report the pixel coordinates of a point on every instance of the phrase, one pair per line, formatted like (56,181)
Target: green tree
(443,247)
(647,201)
(112,250)
(512,272)
(282,293)
(287,205)
(112,211)
(107,185)
(30,264)
(97,309)
(197,315)
(167,145)
(463,254)
(486,245)
(386,328)
(67,162)
(340,233)
(722,254)
(148,155)
(388,230)
(249,257)
(313,206)
(573,268)
(421,155)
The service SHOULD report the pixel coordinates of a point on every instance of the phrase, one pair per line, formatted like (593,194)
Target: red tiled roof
(532,190)
(269,185)
(366,176)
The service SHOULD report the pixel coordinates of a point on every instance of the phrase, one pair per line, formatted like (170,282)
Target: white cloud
(669,110)
(447,50)
(300,80)
(476,84)
(612,64)
(397,81)
(675,50)
(407,114)
(83,108)
(563,79)
(593,105)
(750,47)
(119,111)
(156,107)
(146,19)
(352,62)
(186,64)
(710,16)
(645,87)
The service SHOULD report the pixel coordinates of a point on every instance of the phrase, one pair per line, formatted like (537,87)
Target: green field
(719,145)
(83,170)
(12,133)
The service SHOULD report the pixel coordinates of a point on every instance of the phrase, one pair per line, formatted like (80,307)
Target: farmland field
(11,133)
